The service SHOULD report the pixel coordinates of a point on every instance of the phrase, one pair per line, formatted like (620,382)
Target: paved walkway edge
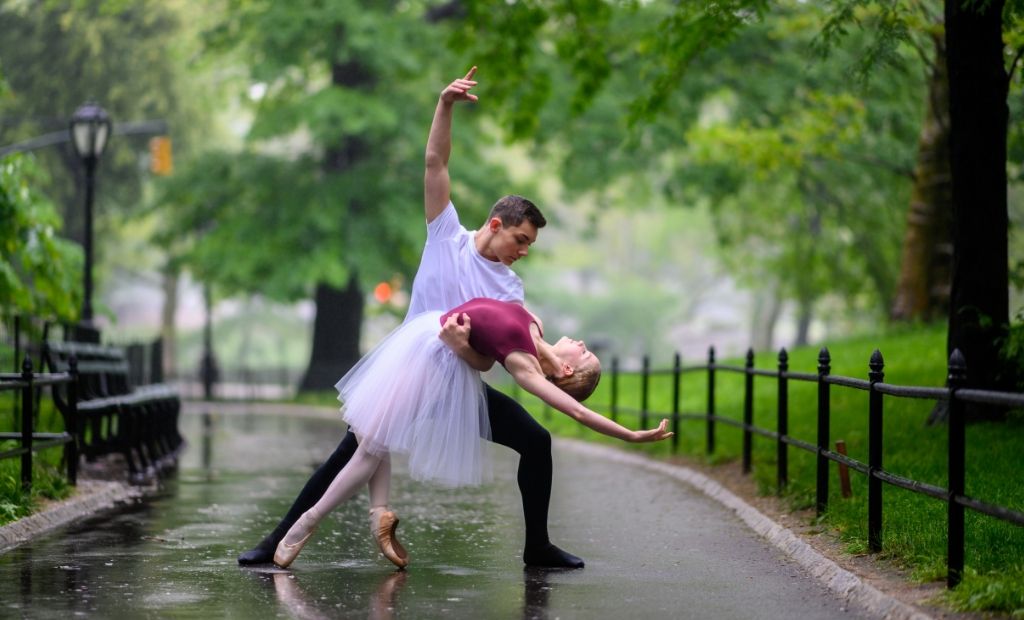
(848,586)
(91,497)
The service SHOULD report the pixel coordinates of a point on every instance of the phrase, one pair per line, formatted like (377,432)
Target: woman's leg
(384,522)
(357,472)
(311,492)
(380,484)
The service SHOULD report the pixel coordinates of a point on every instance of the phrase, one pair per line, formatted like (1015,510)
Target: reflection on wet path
(174,554)
(653,548)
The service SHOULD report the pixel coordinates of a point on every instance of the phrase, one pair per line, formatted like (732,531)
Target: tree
(978,115)
(330,179)
(754,127)
(132,58)
(39,271)
(978,83)
(57,55)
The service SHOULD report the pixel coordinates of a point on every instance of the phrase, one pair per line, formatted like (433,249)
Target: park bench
(138,422)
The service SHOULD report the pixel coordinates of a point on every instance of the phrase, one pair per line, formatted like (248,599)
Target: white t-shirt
(452,271)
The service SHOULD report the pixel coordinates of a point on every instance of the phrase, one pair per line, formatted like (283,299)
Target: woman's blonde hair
(582,382)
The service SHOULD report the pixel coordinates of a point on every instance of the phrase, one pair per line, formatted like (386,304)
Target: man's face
(510,243)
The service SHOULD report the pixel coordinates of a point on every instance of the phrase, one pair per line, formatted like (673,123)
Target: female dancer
(412,394)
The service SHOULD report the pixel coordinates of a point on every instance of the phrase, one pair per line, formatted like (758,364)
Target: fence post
(676,371)
(26,424)
(72,452)
(783,421)
(956,462)
(711,401)
(875,452)
(748,410)
(645,380)
(615,389)
(824,405)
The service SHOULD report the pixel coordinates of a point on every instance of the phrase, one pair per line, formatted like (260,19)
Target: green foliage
(1000,590)
(329,182)
(808,172)
(1011,350)
(40,273)
(127,56)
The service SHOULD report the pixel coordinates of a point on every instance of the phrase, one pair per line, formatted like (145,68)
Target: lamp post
(90,127)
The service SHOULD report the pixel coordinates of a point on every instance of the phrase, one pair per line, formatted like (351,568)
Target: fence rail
(955,394)
(28,383)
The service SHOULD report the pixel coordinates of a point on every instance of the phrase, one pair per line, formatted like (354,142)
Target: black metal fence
(28,384)
(955,395)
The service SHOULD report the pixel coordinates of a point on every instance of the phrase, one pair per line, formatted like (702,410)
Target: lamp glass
(100,138)
(82,132)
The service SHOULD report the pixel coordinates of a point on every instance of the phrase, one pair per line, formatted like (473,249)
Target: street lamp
(90,127)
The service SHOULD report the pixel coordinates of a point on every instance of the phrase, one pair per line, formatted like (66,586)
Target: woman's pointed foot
(384,524)
(287,552)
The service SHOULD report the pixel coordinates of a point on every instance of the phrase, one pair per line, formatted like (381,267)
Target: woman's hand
(459,89)
(654,434)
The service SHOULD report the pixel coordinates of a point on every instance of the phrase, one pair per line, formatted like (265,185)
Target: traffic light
(160,161)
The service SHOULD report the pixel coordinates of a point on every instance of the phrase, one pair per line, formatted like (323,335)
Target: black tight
(511,426)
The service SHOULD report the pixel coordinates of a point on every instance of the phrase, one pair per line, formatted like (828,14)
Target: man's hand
(456,336)
(453,334)
(654,434)
(459,89)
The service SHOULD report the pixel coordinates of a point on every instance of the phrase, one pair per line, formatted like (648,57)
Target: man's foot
(550,556)
(262,553)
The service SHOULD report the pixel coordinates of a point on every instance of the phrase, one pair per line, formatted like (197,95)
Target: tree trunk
(805,314)
(766,311)
(979,299)
(168,332)
(339,313)
(336,329)
(924,284)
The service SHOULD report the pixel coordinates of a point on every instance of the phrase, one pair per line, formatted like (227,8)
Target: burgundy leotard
(497,327)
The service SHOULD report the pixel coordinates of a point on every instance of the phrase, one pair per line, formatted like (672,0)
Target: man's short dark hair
(512,210)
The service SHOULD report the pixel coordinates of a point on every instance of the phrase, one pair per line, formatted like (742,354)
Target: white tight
(363,468)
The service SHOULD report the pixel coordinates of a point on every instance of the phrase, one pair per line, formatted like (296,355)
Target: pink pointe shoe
(285,554)
(387,541)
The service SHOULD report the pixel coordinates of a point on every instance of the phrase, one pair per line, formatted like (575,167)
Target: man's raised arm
(436,182)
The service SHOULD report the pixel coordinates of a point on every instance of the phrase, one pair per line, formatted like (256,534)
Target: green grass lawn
(914,526)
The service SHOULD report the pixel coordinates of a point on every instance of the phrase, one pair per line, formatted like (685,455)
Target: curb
(841,582)
(91,497)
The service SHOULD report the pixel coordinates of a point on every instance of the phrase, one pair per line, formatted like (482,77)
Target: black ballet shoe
(550,556)
(262,553)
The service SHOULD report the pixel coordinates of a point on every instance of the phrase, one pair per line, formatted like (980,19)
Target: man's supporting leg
(263,553)
(513,427)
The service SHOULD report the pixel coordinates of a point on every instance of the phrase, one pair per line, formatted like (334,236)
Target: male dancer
(456,266)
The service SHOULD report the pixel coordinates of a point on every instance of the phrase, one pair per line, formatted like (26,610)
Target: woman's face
(574,352)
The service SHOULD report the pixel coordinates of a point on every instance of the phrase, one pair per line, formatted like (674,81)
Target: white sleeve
(444,226)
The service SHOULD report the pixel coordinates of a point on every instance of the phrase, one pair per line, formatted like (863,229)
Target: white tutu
(412,395)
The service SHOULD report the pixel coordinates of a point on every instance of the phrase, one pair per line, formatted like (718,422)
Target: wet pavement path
(654,547)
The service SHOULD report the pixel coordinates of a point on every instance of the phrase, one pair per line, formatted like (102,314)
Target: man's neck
(480,239)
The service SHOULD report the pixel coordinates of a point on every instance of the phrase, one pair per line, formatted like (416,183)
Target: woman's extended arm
(525,369)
